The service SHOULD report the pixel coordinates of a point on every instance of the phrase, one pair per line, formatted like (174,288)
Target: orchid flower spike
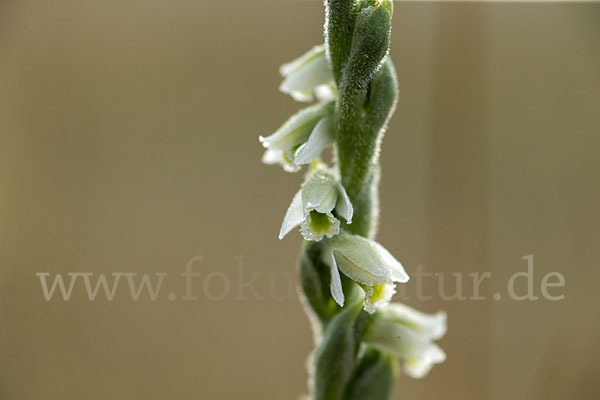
(366,262)
(310,73)
(313,205)
(302,138)
(409,334)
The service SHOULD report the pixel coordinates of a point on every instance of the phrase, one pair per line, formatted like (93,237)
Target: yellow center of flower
(378,292)
(319,223)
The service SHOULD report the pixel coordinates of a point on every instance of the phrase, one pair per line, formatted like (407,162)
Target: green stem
(362,115)
(357,38)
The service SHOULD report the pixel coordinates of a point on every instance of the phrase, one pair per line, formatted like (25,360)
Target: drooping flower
(301,139)
(409,334)
(313,205)
(307,75)
(366,262)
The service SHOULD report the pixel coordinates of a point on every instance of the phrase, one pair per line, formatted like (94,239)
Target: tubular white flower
(409,334)
(367,263)
(313,205)
(310,73)
(301,139)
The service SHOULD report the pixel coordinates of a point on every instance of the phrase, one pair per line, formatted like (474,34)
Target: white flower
(310,73)
(367,263)
(301,139)
(409,334)
(313,205)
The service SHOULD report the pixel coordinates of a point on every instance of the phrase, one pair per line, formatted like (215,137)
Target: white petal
(358,258)
(344,206)
(297,128)
(325,92)
(303,96)
(321,137)
(271,157)
(319,191)
(432,326)
(336,283)
(294,65)
(314,73)
(293,216)
(396,271)
(420,367)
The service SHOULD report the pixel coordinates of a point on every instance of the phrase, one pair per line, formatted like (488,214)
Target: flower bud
(370,42)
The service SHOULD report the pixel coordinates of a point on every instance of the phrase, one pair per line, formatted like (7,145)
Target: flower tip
(440,326)
(401,276)
(286,227)
(283,88)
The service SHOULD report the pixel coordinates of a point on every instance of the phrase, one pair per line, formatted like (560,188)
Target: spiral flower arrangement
(347,278)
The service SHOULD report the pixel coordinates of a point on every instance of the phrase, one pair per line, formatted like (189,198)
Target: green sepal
(337,354)
(374,376)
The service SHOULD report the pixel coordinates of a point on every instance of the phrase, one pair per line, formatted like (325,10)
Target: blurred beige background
(128,143)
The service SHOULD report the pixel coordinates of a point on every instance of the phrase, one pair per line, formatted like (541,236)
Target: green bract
(370,43)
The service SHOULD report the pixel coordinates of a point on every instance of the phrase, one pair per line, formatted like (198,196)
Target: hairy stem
(357,39)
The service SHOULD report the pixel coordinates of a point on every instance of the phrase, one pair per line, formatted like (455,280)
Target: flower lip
(317,225)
